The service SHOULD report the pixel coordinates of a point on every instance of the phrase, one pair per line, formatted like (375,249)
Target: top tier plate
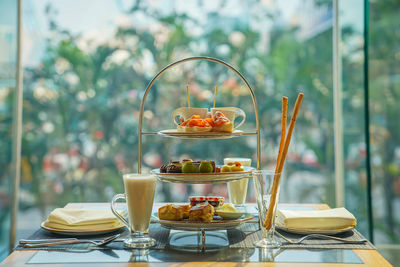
(200,135)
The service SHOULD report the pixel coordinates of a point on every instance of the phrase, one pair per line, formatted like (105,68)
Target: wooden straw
(215,95)
(283,128)
(279,166)
(187,92)
(281,145)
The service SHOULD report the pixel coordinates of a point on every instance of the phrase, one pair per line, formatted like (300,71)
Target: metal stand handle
(150,85)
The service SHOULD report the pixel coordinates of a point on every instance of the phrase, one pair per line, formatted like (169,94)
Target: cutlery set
(320,236)
(65,241)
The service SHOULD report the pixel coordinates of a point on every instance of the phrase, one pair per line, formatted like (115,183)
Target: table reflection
(139,255)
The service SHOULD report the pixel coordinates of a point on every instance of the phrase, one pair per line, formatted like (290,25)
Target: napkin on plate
(82,219)
(330,219)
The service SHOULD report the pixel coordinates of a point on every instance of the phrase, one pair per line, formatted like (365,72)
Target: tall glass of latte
(139,197)
(237,190)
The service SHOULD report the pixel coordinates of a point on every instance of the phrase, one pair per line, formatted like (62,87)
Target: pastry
(194,124)
(163,168)
(203,212)
(185,160)
(205,166)
(220,123)
(236,166)
(188,167)
(213,166)
(185,210)
(171,212)
(226,168)
(174,169)
(197,165)
(176,163)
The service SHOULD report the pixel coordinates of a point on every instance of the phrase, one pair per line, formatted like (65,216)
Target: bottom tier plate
(206,226)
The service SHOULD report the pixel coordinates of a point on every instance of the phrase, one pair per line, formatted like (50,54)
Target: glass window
(84,80)
(353,121)
(384,84)
(8,27)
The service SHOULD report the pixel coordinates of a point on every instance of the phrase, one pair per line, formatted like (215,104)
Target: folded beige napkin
(82,219)
(330,219)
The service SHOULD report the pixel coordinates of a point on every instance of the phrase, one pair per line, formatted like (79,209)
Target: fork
(49,242)
(298,241)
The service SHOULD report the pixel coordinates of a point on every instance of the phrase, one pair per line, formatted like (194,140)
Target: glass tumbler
(237,190)
(263,181)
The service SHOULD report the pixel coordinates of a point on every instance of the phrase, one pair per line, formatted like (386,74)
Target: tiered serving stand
(200,178)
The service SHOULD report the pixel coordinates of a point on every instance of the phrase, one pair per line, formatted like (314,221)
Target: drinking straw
(279,166)
(283,127)
(187,92)
(215,95)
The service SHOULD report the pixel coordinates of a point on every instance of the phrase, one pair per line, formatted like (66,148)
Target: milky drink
(237,190)
(139,190)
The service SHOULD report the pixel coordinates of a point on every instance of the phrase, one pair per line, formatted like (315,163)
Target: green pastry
(188,167)
(205,166)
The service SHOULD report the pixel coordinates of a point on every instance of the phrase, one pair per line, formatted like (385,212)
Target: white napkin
(82,219)
(330,219)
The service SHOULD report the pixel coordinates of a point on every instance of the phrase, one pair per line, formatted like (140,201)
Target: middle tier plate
(203,178)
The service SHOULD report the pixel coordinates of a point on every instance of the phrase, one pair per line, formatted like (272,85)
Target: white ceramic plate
(201,178)
(313,231)
(81,232)
(207,226)
(203,135)
(226,215)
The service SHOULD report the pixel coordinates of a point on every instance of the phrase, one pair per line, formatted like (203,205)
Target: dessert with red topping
(220,123)
(194,124)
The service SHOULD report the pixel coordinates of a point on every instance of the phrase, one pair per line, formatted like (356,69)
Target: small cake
(197,165)
(203,212)
(176,163)
(171,212)
(205,167)
(213,166)
(188,167)
(236,166)
(185,210)
(226,168)
(194,124)
(221,123)
(163,168)
(174,169)
(185,160)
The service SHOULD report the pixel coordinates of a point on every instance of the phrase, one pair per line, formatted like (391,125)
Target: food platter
(197,135)
(201,178)
(214,225)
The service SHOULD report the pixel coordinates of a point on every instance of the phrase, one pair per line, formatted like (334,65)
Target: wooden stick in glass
(281,144)
(268,218)
(187,92)
(283,128)
(215,95)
